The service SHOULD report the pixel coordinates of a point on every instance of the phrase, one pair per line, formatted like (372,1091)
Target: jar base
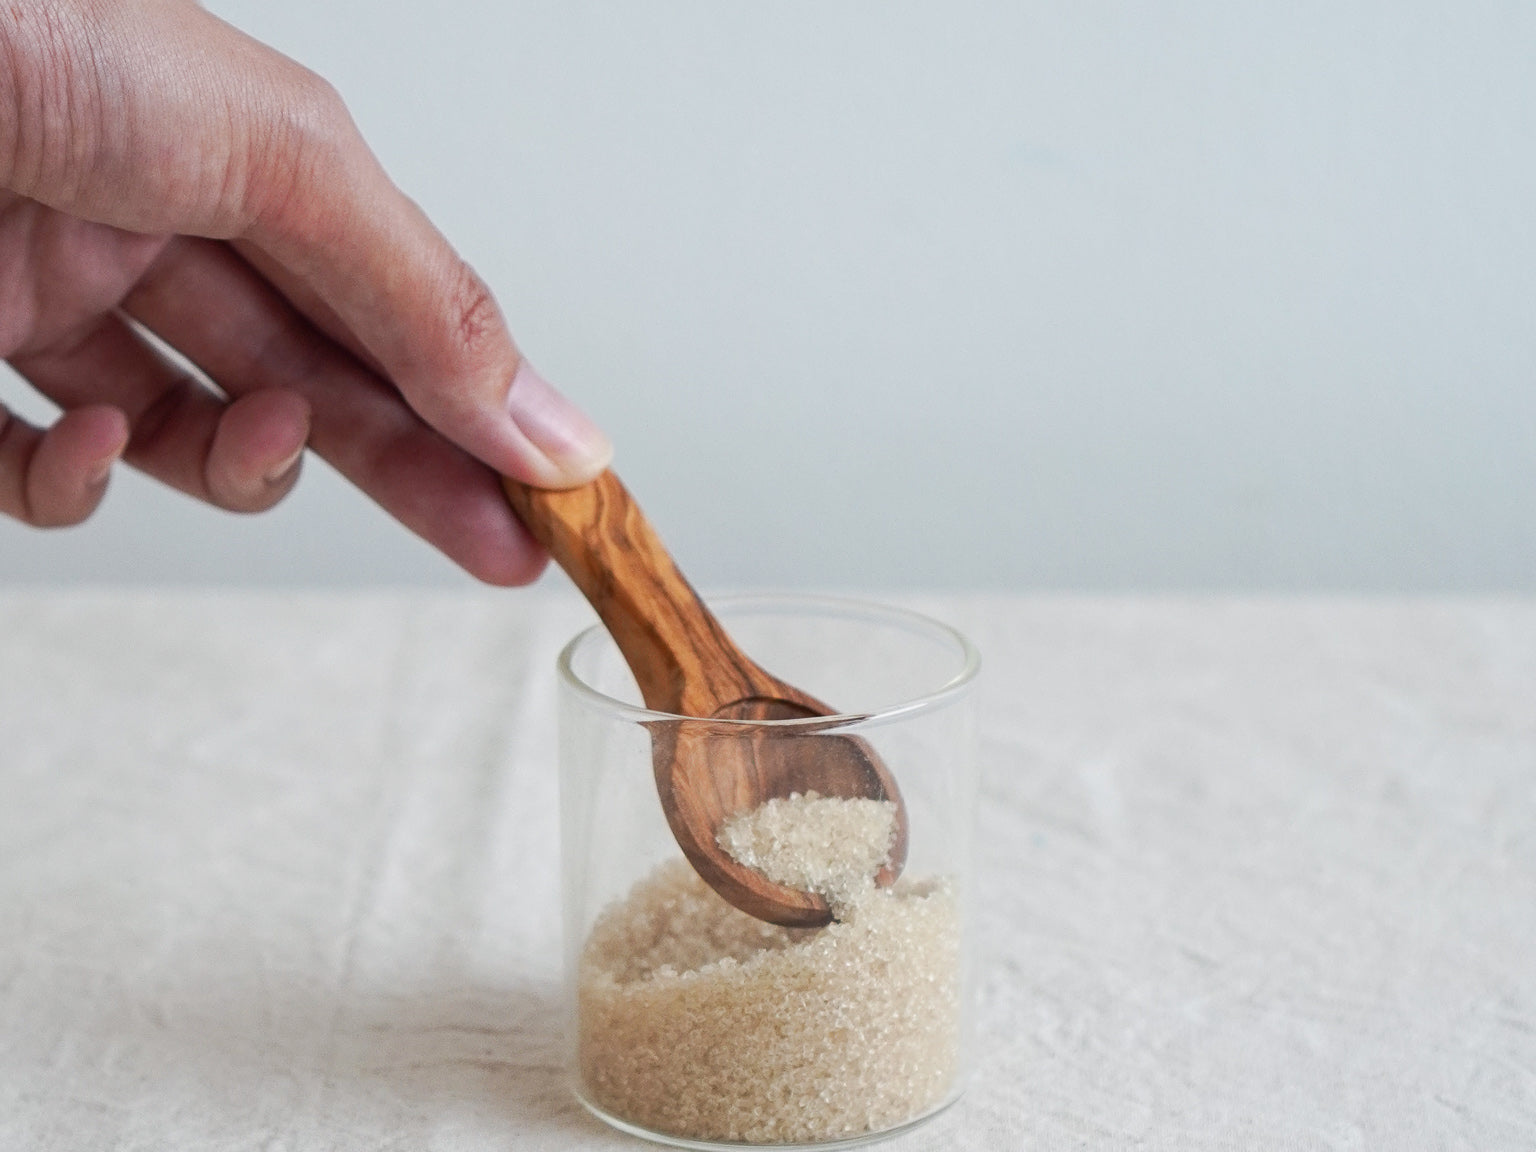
(672,1141)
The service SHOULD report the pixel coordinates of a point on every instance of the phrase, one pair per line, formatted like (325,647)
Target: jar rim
(842,606)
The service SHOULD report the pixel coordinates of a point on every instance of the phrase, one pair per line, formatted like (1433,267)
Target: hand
(161,172)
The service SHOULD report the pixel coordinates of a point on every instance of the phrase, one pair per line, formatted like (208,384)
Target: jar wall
(815,1057)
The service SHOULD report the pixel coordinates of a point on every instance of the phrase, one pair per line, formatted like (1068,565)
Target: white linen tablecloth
(278,873)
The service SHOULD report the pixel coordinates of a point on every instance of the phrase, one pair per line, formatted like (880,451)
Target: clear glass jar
(692,1024)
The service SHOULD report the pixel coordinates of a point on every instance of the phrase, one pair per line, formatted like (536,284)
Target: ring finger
(242,456)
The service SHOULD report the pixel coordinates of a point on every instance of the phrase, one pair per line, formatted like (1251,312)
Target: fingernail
(576,448)
(279,471)
(97,476)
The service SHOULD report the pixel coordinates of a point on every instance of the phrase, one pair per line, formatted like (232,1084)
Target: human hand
(161,171)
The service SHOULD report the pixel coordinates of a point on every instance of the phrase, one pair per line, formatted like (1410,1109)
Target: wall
(890,294)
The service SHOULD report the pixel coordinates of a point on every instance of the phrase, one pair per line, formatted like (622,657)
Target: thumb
(562,446)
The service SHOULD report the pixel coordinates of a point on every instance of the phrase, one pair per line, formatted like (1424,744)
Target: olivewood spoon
(686,665)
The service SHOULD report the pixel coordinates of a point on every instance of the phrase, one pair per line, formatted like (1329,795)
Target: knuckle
(475,327)
(465,354)
(300,139)
(315,110)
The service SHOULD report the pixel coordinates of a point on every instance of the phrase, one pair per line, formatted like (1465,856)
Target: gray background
(885,294)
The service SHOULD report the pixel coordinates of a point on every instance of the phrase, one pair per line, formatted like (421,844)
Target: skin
(167,181)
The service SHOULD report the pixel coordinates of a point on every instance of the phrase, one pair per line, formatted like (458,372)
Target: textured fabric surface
(278,873)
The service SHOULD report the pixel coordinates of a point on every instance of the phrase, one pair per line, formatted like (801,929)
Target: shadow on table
(497,1052)
(372,1063)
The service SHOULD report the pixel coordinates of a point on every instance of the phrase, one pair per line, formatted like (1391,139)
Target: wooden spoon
(687,666)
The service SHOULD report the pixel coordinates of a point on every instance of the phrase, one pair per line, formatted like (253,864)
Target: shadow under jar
(694,1024)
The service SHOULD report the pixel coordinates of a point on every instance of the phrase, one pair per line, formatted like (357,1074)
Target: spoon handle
(681,657)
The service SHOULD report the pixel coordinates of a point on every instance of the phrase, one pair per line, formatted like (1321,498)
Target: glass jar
(691,1023)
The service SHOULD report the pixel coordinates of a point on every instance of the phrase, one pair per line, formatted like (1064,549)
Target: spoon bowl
(708,772)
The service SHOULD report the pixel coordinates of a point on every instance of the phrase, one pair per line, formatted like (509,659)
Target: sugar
(700,1021)
(829,845)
